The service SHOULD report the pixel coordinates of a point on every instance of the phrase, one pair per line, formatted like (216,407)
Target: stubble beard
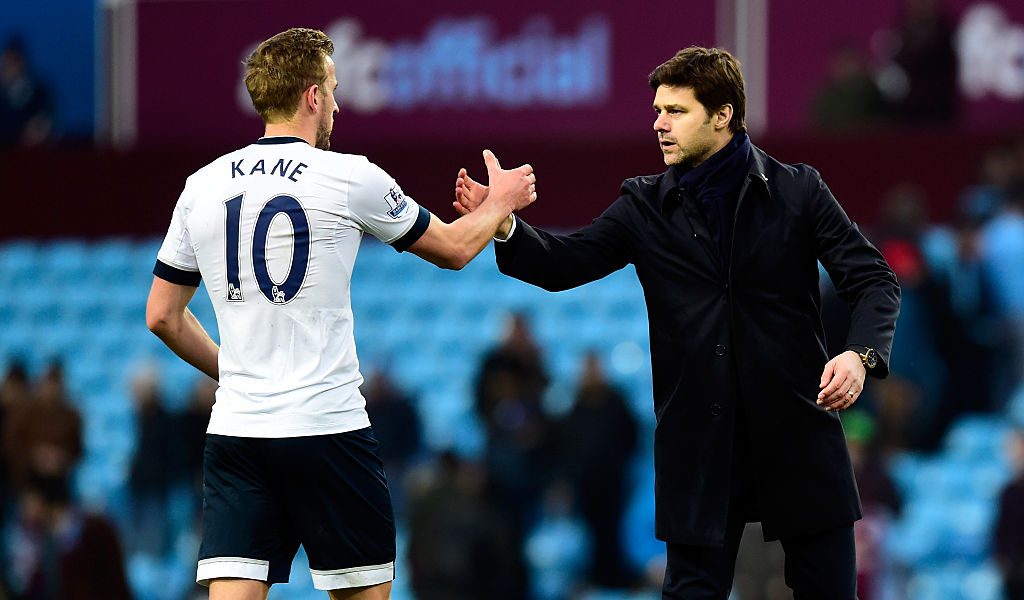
(323,135)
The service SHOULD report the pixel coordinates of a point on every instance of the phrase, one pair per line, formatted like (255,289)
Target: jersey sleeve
(176,260)
(378,206)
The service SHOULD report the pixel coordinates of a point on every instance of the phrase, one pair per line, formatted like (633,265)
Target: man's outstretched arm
(453,245)
(556,262)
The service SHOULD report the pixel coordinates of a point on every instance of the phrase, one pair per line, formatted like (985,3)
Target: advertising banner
(417,71)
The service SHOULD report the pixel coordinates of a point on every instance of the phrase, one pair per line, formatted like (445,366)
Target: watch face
(871,359)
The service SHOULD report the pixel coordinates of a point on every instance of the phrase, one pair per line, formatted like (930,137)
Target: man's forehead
(667,94)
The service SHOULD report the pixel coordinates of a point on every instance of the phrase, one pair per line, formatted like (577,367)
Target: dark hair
(714,75)
(282,68)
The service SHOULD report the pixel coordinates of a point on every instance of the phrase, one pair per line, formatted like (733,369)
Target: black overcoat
(746,342)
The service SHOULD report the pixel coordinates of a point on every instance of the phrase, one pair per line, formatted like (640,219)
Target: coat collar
(668,187)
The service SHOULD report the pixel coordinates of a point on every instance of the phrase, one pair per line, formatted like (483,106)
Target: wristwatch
(868,356)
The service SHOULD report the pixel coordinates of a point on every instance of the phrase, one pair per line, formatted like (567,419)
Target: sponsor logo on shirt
(396,201)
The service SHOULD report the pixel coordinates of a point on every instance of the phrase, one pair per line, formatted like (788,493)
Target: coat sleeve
(862,277)
(560,262)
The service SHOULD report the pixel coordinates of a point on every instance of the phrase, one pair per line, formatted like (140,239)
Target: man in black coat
(726,244)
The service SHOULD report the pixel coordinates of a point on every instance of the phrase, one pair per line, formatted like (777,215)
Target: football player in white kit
(273,229)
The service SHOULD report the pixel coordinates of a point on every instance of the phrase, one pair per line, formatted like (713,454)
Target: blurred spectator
(192,431)
(558,548)
(396,425)
(921,330)
(459,547)
(509,389)
(850,99)
(1002,255)
(922,77)
(973,344)
(595,443)
(153,467)
(1009,526)
(896,402)
(25,113)
(54,550)
(43,435)
(14,393)
(997,169)
(880,500)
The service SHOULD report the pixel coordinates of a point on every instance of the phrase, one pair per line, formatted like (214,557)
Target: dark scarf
(715,185)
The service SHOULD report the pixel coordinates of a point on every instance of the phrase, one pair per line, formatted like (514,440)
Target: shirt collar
(280,139)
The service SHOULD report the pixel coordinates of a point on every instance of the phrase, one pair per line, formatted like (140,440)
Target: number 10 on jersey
(275,292)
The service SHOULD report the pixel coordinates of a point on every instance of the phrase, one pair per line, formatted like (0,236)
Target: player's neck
(291,129)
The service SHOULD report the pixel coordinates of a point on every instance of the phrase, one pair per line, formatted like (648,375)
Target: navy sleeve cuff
(175,275)
(416,232)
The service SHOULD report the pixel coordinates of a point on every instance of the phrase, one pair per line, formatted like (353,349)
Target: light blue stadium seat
(977,437)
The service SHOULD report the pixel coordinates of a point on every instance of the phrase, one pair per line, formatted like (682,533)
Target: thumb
(491,161)
(826,375)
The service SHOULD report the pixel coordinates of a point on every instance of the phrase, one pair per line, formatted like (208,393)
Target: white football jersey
(273,229)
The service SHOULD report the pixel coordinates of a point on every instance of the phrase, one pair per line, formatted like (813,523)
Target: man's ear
(723,116)
(311,99)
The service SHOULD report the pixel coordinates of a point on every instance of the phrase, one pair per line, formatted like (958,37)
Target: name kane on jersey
(259,167)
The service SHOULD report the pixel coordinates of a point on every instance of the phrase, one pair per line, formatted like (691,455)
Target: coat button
(716,409)
(720,350)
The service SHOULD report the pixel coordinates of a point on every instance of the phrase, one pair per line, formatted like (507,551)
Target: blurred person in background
(154,467)
(15,391)
(1002,257)
(882,503)
(558,548)
(596,442)
(849,101)
(44,435)
(922,75)
(726,244)
(290,458)
(510,385)
(1009,525)
(56,551)
(26,115)
(460,547)
(974,327)
(192,431)
(397,427)
(998,168)
(923,328)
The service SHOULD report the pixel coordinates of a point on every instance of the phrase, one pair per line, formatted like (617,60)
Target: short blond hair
(281,68)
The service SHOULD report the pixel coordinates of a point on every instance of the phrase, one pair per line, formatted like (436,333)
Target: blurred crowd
(907,76)
(542,510)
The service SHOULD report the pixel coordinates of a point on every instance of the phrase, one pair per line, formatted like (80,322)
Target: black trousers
(821,566)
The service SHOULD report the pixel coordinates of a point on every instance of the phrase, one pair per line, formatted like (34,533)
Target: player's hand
(515,189)
(842,381)
(469,193)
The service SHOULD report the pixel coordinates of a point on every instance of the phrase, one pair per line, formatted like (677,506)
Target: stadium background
(913,112)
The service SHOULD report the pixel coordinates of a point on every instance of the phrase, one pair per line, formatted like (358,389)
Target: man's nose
(660,123)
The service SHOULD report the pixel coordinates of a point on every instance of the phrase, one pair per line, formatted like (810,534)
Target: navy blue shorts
(262,497)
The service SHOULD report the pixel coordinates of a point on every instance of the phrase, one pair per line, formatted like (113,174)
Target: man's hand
(469,193)
(515,189)
(842,381)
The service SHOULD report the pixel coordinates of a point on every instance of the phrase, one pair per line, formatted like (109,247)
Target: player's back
(273,229)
